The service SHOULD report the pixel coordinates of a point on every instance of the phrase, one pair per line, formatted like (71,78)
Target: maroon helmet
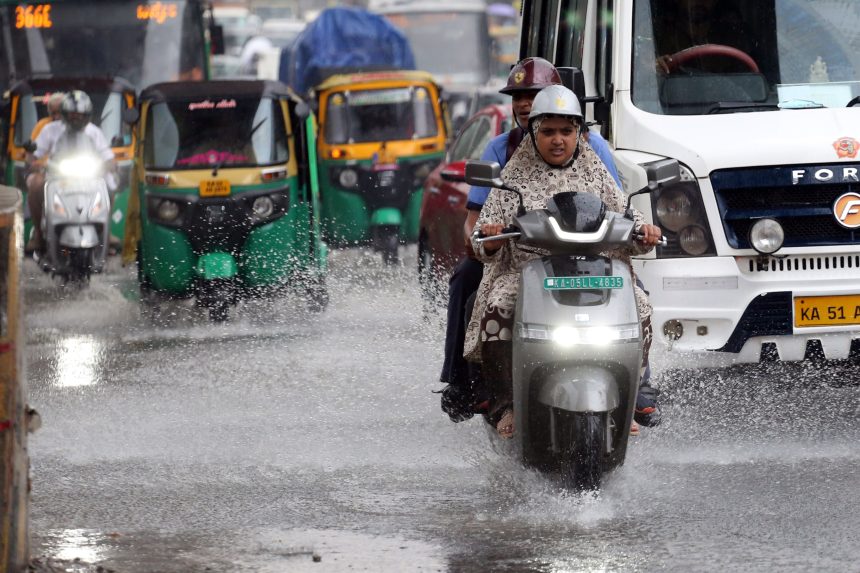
(531,74)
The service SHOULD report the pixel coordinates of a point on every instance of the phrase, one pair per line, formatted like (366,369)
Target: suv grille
(805,210)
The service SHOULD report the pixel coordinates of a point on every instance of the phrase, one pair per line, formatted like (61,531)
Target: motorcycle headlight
(263,207)
(767,236)
(80,166)
(58,207)
(168,210)
(348,178)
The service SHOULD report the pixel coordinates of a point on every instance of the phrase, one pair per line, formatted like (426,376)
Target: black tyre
(585,440)
(219,311)
(317,295)
(388,244)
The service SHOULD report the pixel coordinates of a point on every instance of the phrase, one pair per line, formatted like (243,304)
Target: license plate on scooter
(214,188)
(582,283)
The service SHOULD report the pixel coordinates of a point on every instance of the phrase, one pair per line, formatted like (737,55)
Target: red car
(443,207)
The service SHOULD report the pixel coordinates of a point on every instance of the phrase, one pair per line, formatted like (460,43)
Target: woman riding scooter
(554,163)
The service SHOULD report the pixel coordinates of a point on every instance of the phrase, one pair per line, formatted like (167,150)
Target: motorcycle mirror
(130,115)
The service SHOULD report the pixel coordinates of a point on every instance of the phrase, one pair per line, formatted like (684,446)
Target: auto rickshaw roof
(380,76)
(171,91)
(48,83)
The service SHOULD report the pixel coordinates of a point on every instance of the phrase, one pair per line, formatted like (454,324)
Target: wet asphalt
(290,441)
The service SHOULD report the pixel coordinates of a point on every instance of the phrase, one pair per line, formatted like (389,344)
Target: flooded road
(291,441)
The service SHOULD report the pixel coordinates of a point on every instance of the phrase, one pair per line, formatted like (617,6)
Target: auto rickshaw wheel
(387,242)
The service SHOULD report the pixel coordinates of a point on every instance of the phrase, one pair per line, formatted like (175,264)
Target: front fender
(79,237)
(580,389)
(216,265)
(386,216)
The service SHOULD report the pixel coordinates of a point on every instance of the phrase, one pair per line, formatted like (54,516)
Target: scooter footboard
(580,389)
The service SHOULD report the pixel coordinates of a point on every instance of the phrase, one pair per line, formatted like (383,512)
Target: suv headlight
(679,211)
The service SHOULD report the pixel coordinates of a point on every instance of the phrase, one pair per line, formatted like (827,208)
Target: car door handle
(434,190)
(453,200)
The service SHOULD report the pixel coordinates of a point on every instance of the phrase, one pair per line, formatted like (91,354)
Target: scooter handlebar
(509,232)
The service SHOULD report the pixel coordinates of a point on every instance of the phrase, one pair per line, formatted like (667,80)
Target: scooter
(577,342)
(76,220)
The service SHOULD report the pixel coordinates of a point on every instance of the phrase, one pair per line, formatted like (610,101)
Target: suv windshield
(712,56)
(380,115)
(227,132)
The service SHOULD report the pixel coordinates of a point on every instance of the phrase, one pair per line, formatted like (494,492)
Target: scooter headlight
(168,210)
(767,236)
(567,336)
(80,166)
(263,207)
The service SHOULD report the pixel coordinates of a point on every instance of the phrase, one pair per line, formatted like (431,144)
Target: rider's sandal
(505,426)
(634,428)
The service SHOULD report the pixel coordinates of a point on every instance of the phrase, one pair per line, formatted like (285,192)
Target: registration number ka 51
(214,188)
(827,310)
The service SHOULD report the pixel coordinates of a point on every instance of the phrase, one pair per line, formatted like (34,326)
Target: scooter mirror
(303,110)
(484,174)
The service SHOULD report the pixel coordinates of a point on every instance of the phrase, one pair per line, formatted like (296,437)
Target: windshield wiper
(736,106)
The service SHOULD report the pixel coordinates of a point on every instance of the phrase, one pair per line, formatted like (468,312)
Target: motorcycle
(76,218)
(577,342)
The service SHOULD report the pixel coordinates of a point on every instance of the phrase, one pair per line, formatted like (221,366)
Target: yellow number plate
(827,310)
(214,188)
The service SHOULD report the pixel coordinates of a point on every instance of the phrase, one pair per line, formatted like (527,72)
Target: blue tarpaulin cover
(344,39)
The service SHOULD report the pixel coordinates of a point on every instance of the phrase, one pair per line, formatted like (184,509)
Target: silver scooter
(577,345)
(75,223)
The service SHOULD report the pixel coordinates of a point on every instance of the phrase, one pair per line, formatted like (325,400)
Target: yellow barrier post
(14,415)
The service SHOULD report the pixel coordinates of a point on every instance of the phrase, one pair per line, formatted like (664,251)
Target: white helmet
(556,100)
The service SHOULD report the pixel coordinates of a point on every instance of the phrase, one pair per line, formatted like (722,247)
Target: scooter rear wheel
(585,445)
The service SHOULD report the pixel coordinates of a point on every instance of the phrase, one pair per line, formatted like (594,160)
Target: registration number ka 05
(582,283)
(827,310)
(214,188)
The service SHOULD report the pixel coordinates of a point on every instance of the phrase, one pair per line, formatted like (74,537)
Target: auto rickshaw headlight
(263,207)
(168,210)
(348,178)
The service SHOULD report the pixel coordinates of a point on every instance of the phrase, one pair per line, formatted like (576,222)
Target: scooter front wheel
(585,446)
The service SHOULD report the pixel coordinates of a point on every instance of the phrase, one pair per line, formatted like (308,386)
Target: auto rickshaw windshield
(360,116)
(228,132)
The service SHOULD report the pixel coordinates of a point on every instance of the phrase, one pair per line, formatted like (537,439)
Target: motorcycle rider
(463,390)
(554,160)
(73,133)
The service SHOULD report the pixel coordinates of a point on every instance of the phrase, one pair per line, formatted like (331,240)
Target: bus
(143,41)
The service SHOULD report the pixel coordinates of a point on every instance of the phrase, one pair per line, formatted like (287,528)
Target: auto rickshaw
(25,107)
(225,203)
(381,135)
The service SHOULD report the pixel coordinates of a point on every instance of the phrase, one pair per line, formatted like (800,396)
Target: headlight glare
(80,166)
(767,236)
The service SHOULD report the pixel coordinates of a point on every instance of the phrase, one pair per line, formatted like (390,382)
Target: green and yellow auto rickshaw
(25,112)
(381,133)
(225,197)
